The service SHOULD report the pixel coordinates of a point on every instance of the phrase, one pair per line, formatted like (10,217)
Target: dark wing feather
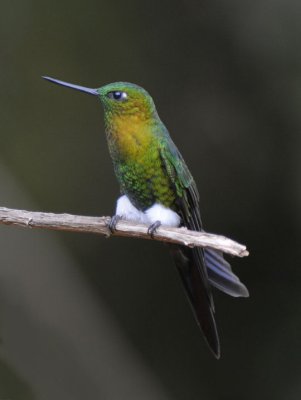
(220,274)
(190,262)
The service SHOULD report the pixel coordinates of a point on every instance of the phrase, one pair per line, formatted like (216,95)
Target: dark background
(83,317)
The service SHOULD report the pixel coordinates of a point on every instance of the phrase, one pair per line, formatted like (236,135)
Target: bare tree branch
(99,225)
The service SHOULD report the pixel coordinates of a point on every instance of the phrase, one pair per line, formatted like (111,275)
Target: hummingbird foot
(153,228)
(114,221)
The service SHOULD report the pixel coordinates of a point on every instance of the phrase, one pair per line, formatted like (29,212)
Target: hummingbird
(157,188)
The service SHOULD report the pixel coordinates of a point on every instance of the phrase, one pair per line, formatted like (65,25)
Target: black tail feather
(220,274)
(190,265)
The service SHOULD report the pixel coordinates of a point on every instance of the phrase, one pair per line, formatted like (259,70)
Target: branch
(99,225)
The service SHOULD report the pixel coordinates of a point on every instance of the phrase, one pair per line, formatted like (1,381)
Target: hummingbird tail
(190,263)
(220,274)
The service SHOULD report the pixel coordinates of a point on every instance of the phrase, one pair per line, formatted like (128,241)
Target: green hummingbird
(158,188)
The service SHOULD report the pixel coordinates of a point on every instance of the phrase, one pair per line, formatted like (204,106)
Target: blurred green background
(84,317)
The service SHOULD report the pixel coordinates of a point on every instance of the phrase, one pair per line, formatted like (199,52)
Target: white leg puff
(157,212)
(127,211)
(165,215)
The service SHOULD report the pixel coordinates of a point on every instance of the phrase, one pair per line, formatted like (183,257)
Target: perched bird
(157,188)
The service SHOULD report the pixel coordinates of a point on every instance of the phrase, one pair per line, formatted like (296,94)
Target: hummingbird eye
(118,96)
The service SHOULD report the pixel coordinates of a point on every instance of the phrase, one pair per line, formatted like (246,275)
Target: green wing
(190,262)
(184,184)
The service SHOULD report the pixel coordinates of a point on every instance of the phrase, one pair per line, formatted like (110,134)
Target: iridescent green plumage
(140,145)
(151,172)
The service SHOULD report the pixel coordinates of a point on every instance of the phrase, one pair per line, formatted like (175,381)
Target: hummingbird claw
(153,228)
(112,224)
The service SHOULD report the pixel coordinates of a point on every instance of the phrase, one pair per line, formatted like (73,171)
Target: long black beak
(72,86)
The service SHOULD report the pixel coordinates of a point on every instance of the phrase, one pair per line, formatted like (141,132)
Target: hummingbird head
(126,99)
(118,98)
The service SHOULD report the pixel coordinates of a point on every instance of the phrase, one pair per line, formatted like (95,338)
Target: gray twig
(99,225)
